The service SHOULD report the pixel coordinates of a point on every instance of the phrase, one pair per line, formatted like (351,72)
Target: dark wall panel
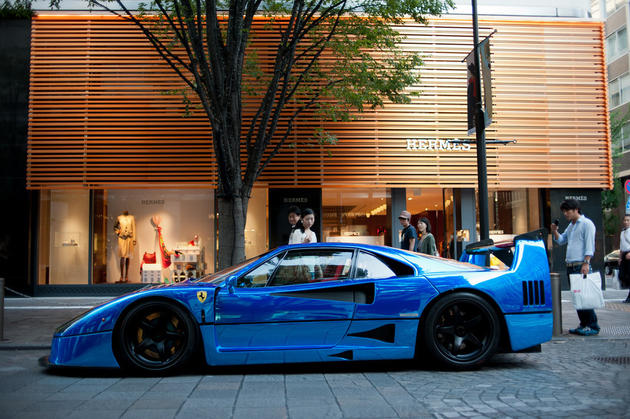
(591,204)
(15,43)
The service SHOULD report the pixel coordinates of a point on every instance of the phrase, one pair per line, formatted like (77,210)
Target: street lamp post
(480,132)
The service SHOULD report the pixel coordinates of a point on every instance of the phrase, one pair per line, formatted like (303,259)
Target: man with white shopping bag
(579,237)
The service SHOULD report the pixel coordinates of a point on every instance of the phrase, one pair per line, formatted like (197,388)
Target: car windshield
(220,276)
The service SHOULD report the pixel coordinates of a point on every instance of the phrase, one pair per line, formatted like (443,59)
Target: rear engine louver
(533,293)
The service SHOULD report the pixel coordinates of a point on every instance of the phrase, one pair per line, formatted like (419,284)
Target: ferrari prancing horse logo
(201,296)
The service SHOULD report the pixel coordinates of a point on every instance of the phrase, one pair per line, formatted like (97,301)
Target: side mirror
(231,283)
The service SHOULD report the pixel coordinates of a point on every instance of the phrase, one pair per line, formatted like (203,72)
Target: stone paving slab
(565,380)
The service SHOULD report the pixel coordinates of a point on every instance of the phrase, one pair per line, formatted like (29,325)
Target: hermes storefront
(121,178)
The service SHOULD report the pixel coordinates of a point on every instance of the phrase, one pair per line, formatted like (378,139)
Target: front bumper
(90,350)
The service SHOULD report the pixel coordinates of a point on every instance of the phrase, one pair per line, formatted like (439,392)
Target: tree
(333,58)
(613,197)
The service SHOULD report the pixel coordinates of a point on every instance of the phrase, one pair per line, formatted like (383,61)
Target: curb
(25,347)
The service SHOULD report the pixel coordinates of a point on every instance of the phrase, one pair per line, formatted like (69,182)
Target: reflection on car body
(322,302)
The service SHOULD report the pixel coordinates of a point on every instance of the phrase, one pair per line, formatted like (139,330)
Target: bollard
(556,298)
(1,308)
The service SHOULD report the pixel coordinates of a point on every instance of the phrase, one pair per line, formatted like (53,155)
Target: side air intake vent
(533,293)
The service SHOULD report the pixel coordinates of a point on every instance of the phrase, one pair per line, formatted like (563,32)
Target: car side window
(313,265)
(371,267)
(259,276)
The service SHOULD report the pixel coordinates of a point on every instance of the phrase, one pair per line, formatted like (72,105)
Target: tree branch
(169,57)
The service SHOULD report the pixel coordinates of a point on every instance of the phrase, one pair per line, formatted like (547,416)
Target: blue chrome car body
(351,319)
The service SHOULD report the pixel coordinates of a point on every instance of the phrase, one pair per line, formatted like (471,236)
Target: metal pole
(480,131)
(556,298)
(1,308)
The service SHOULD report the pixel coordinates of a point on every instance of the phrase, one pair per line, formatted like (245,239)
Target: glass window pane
(625,88)
(305,266)
(613,91)
(64,236)
(370,267)
(624,143)
(356,216)
(610,46)
(127,243)
(259,276)
(622,40)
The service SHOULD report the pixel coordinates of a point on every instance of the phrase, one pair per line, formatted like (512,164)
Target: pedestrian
(579,237)
(304,234)
(408,233)
(296,224)
(624,257)
(426,242)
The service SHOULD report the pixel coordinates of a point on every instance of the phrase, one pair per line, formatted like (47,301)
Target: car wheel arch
(504,342)
(198,347)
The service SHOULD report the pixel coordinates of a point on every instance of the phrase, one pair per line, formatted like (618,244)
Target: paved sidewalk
(31,322)
(573,376)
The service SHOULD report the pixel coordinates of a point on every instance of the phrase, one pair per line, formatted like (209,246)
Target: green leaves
(17,9)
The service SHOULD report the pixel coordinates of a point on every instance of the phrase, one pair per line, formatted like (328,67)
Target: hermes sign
(435,145)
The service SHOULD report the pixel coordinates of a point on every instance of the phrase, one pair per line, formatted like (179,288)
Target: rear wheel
(155,336)
(461,331)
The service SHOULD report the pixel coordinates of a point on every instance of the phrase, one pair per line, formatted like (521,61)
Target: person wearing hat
(408,233)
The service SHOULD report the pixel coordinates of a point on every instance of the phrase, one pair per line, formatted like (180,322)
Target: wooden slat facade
(99,117)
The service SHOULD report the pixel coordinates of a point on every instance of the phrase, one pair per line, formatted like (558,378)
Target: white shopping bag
(586,291)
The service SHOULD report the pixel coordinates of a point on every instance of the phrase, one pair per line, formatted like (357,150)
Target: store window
(64,237)
(151,235)
(356,216)
(430,203)
(256,241)
(513,212)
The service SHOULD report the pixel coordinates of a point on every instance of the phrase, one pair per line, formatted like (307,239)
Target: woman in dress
(426,244)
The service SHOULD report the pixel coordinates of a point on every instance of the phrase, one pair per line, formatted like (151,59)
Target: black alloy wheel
(461,331)
(155,336)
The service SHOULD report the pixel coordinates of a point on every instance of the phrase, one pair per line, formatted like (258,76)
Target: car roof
(422,263)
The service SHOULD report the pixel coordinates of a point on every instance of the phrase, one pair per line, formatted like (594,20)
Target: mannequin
(125,229)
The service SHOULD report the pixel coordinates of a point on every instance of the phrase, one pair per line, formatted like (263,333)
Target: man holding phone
(579,237)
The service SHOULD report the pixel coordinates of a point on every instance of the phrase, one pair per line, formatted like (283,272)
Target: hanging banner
(486,76)
(471,94)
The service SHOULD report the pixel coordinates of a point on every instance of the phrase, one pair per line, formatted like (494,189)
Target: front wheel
(461,331)
(155,337)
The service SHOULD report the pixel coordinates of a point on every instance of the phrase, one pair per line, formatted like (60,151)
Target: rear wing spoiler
(479,252)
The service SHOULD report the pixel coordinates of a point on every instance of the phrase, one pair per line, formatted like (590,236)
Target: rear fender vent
(533,293)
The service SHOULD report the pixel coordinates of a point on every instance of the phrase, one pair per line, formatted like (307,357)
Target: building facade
(104,140)
(616,16)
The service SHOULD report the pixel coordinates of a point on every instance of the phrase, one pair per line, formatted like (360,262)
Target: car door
(302,299)
(391,318)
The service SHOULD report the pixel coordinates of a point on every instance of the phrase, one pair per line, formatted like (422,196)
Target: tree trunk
(232,219)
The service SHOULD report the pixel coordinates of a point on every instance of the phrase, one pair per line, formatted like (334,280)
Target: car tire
(155,337)
(461,331)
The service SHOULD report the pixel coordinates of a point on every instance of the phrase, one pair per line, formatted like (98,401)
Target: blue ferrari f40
(323,302)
